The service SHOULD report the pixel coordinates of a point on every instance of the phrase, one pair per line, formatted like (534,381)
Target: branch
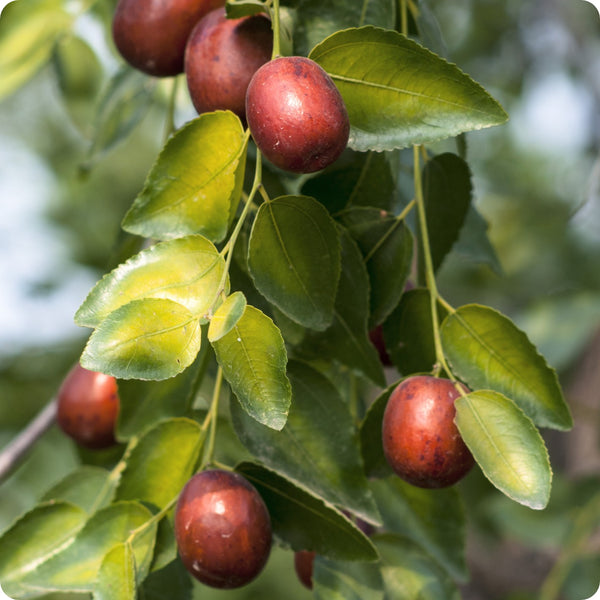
(16,450)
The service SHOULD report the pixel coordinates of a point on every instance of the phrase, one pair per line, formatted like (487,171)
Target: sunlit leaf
(195,185)
(253,358)
(189,271)
(317,448)
(116,577)
(226,316)
(506,445)
(487,351)
(152,338)
(300,278)
(398,93)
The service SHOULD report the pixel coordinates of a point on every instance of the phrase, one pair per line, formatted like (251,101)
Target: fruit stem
(276,30)
(211,418)
(429,271)
(403,17)
(170,122)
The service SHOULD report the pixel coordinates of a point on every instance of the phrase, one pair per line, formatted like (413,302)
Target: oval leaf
(398,93)
(253,358)
(188,270)
(145,339)
(506,445)
(154,473)
(300,278)
(116,577)
(336,580)
(306,522)
(226,316)
(318,447)
(487,351)
(195,185)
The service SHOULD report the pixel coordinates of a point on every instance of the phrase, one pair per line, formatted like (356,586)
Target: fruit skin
(376,338)
(221,57)
(87,407)
(303,564)
(222,529)
(296,115)
(420,440)
(151,34)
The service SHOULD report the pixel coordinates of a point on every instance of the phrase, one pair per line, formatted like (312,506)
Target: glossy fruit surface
(296,115)
(221,57)
(303,564)
(222,529)
(87,407)
(420,440)
(151,34)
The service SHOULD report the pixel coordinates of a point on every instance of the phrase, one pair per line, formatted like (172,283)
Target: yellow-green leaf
(226,316)
(116,578)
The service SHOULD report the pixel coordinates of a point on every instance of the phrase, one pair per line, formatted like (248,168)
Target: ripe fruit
(376,337)
(222,529)
(87,407)
(303,564)
(221,57)
(420,440)
(296,115)
(151,34)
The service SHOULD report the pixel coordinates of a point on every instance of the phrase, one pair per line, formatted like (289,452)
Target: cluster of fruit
(295,113)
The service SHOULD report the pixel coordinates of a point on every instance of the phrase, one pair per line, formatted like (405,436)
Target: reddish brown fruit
(296,115)
(420,440)
(222,529)
(376,337)
(151,34)
(303,564)
(87,407)
(221,57)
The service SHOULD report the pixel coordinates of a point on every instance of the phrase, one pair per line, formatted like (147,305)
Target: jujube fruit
(221,57)
(87,407)
(420,440)
(222,529)
(303,565)
(151,34)
(296,115)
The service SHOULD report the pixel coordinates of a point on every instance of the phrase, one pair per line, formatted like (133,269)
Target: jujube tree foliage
(268,287)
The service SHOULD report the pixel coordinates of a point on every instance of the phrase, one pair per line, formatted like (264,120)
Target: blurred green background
(537,182)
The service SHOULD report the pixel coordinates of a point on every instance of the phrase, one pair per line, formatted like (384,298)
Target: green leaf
(145,403)
(253,358)
(88,487)
(172,581)
(196,183)
(318,447)
(154,472)
(434,519)
(76,567)
(447,190)
(28,32)
(336,580)
(408,333)
(116,577)
(506,445)
(386,244)
(152,338)
(409,573)
(33,539)
(236,9)
(300,278)
(226,316)
(398,93)
(487,351)
(188,271)
(347,340)
(306,522)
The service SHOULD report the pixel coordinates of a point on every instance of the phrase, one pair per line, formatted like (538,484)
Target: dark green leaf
(347,339)
(506,445)
(487,351)
(398,93)
(116,577)
(152,338)
(434,519)
(306,522)
(386,244)
(300,278)
(336,580)
(160,464)
(173,581)
(447,190)
(253,358)
(196,183)
(317,448)
(189,271)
